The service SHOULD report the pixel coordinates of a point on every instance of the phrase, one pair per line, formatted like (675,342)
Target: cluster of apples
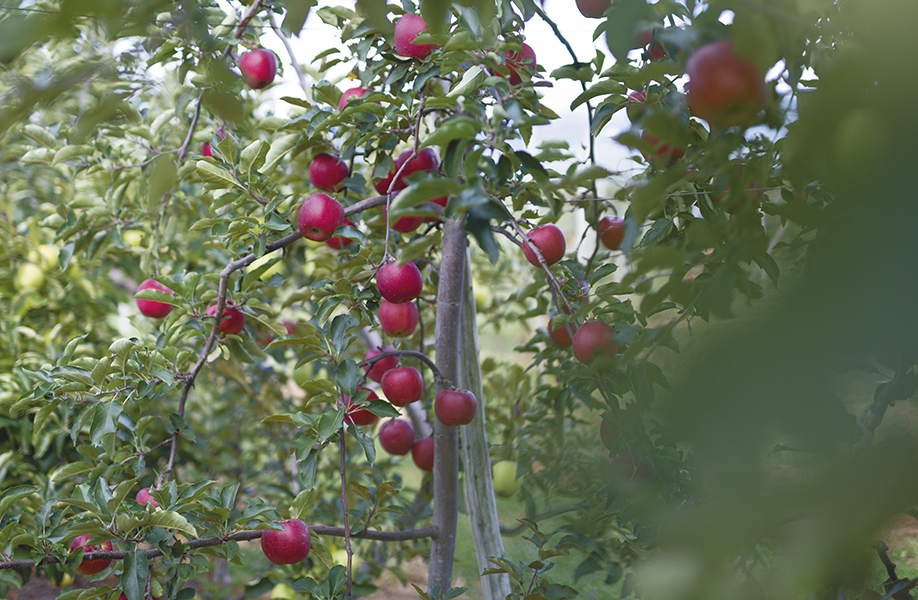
(233,319)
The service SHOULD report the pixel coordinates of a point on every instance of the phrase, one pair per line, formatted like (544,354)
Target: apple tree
(210,300)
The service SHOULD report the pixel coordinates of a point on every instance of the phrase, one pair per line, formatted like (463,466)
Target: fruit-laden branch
(368,362)
(553,284)
(243,536)
(218,316)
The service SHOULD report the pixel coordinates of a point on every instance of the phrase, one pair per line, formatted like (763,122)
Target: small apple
(233,320)
(641,472)
(396,436)
(506,483)
(403,385)
(724,89)
(550,242)
(399,283)
(455,407)
(612,232)
(525,57)
(152,308)
(289,546)
(133,238)
(66,581)
(656,51)
(407,27)
(327,171)
(357,92)
(339,242)
(561,336)
(258,68)
(319,217)
(405,224)
(423,454)
(663,152)
(426,160)
(29,275)
(91,567)
(354,415)
(593,9)
(380,367)
(399,320)
(594,339)
(144,497)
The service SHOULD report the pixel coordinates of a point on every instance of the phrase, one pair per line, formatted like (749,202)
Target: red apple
(355,415)
(439,201)
(723,89)
(423,454)
(206,149)
(641,472)
(426,160)
(144,497)
(327,171)
(403,385)
(550,242)
(289,546)
(662,152)
(380,367)
(524,58)
(399,320)
(561,336)
(593,9)
(233,320)
(91,567)
(656,51)
(455,407)
(340,242)
(592,340)
(396,436)
(319,217)
(406,29)
(405,224)
(357,92)
(258,68)
(152,308)
(399,283)
(612,232)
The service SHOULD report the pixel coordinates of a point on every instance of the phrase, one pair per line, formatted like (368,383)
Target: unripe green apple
(46,256)
(29,275)
(282,591)
(506,483)
(133,238)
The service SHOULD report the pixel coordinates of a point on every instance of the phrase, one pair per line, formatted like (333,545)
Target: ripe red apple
(561,336)
(403,385)
(455,407)
(405,224)
(327,171)
(144,497)
(258,68)
(439,201)
(426,160)
(524,58)
(353,414)
(593,9)
(423,454)
(339,242)
(396,436)
(399,283)
(399,320)
(656,51)
(357,92)
(550,242)
(406,29)
(91,567)
(592,340)
(723,89)
(641,472)
(289,546)
(663,152)
(612,232)
(233,320)
(380,367)
(206,150)
(152,308)
(319,217)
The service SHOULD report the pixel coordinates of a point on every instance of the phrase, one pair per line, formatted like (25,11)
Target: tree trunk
(479,486)
(446,439)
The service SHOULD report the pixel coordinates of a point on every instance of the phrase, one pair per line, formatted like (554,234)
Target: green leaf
(211,173)
(101,369)
(253,156)
(346,376)
(161,180)
(104,420)
(13,495)
(420,192)
(68,152)
(134,575)
(303,505)
(297,11)
(451,129)
(172,520)
(603,88)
